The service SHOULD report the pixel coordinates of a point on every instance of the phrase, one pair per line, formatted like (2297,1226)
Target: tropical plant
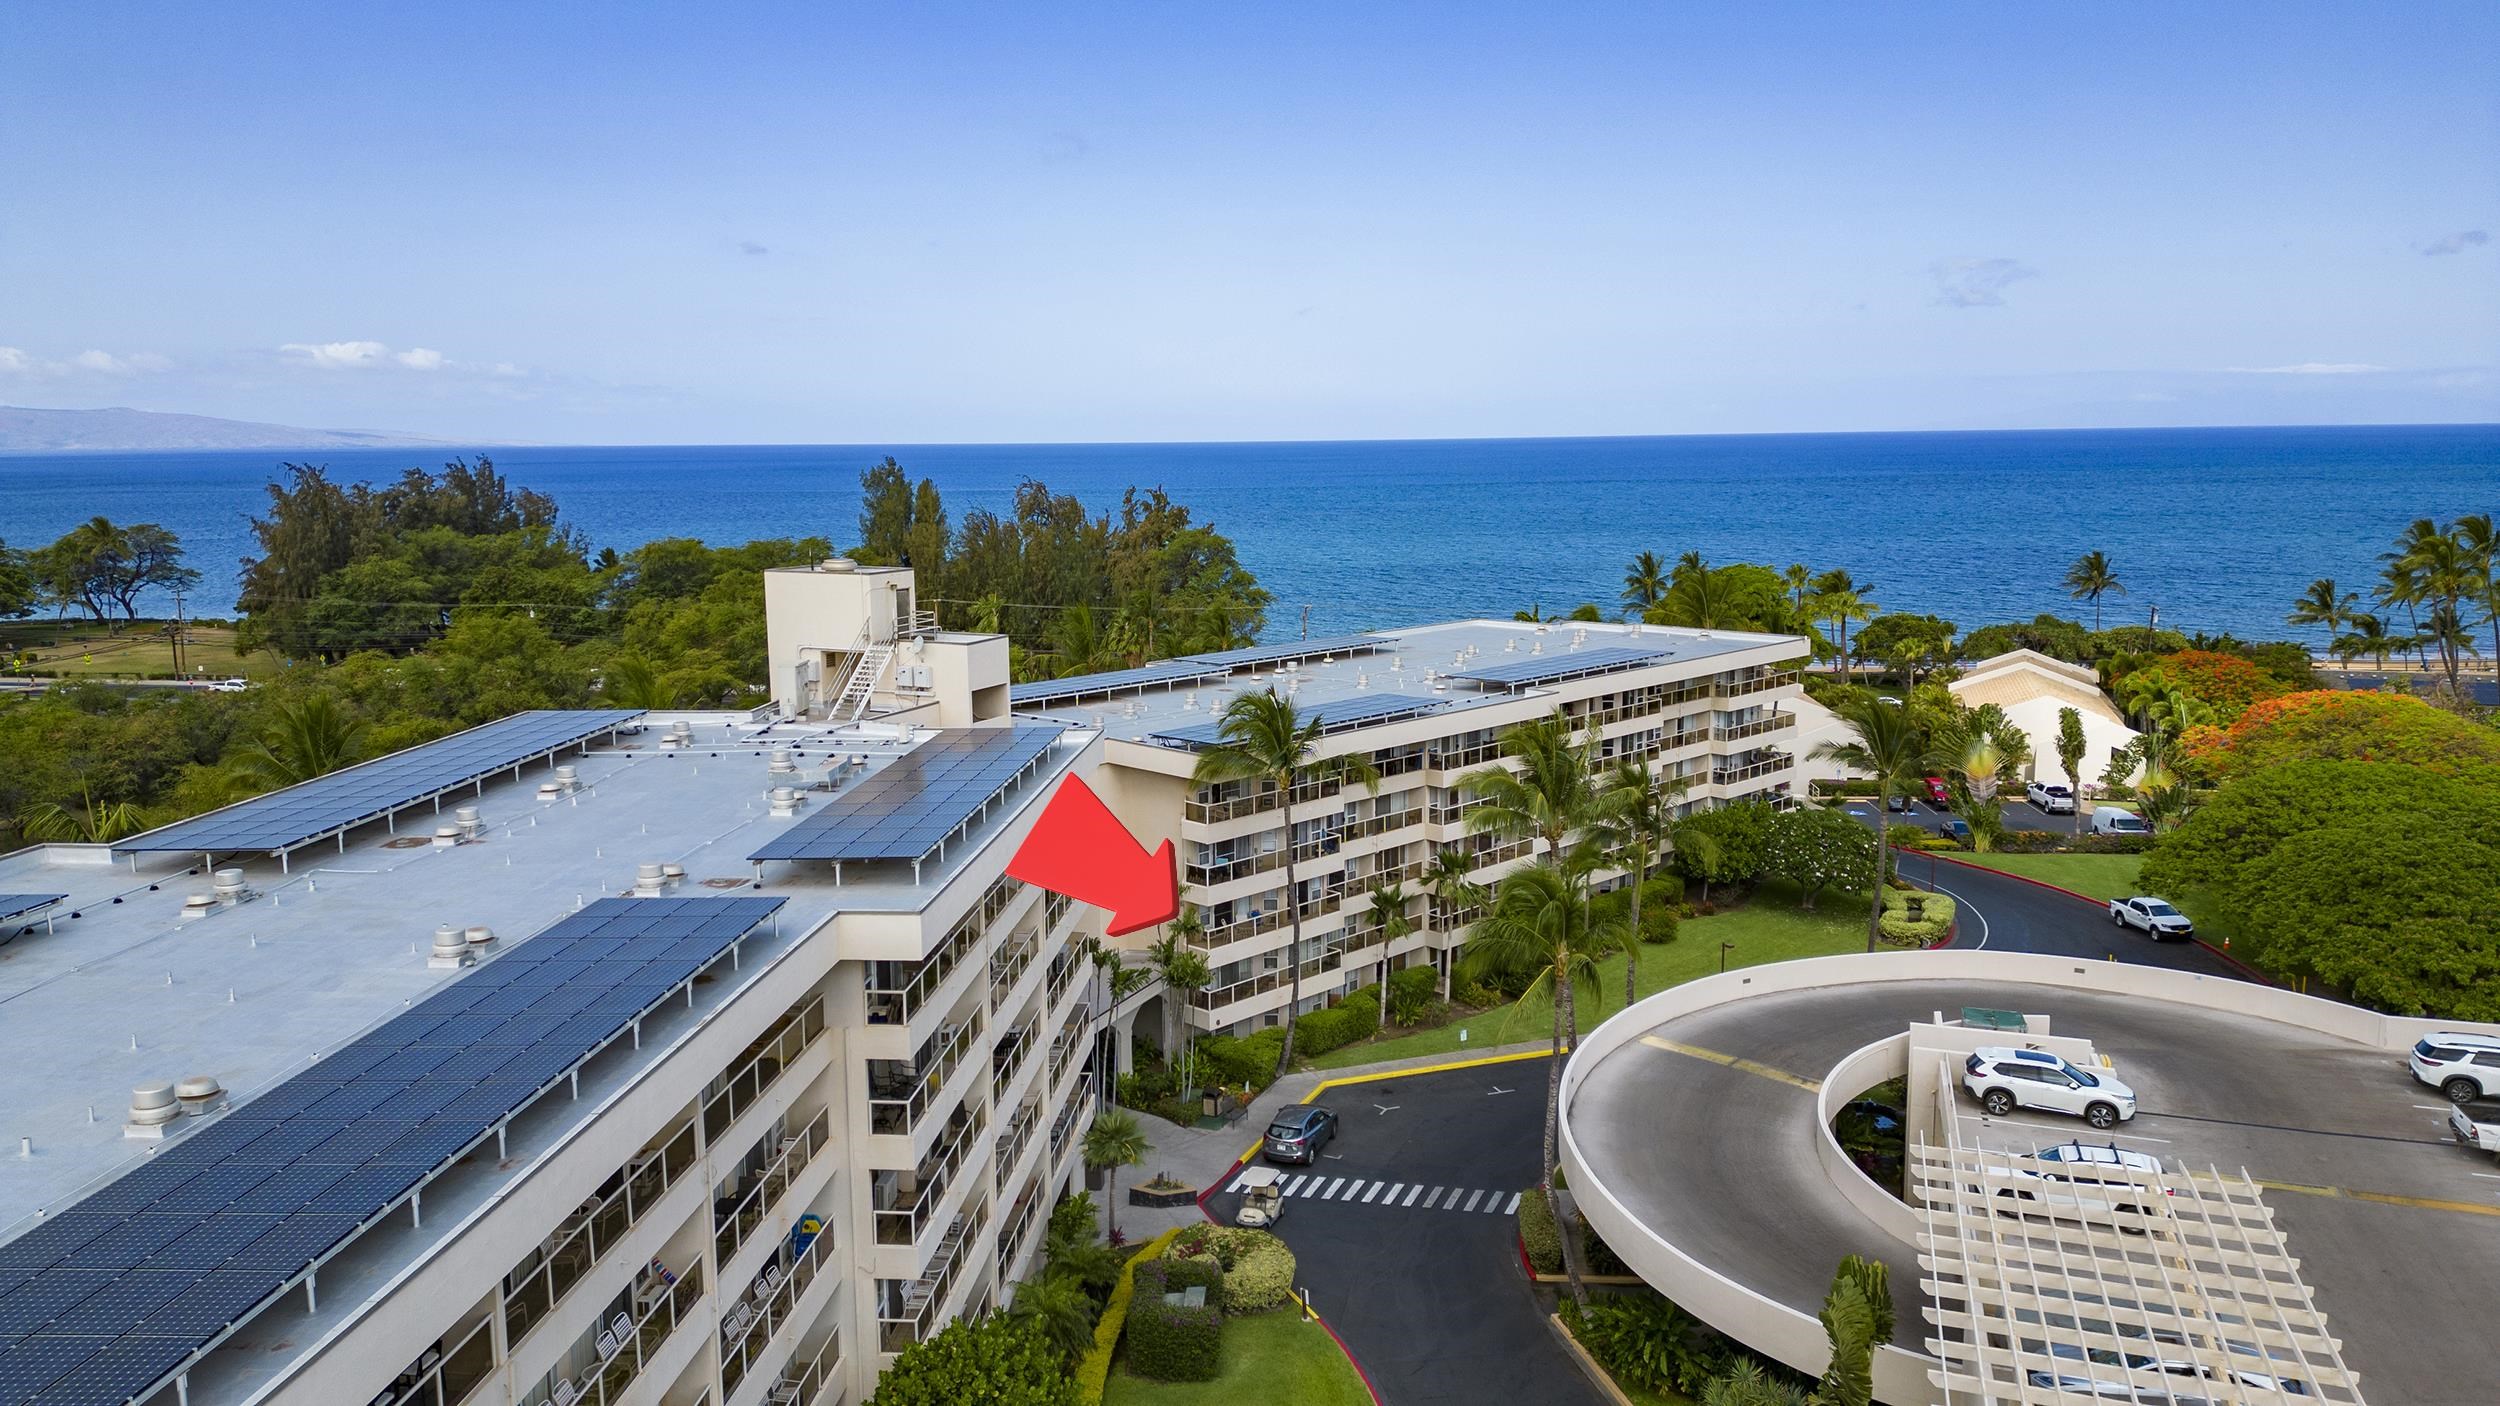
(2323,605)
(630,681)
(1185,973)
(2070,749)
(2090,578)
(1059,1309)
(1797,578)
(49,822)
(2369,635)
(305,737)
(1388,915)
(1745,1385)
(1262,737)
(1849,1323)
(1112,1141)
(1838,599)
(1448,876)
(1887,745)
(1635,820)
(1644,583)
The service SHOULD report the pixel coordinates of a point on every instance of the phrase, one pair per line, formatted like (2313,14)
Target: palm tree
(2323,605)
(1388,913)
(1887,745)
(49,822)
(1185,973)
(1798,576)
(1552,794)
(1636,820)
(2400,584)
(1058,1305)
(1541,923)
(306,737)
(2370,635)
(1448,876)
(2480,542)
(1113,1141)
(1705,598)
(629,681)
(1842,607)
(1080,645)
(2070,748)
(1263,737)
(1645,583)
(2090,578)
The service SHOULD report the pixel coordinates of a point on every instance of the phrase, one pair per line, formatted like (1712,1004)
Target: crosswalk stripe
(1411,1195)
(1435,1196)
(1375,1191)
(1293,1185)
(1472,1200)
(1238,1183)
(1493,1204)
(1331,1193)
(1514,1202)
(1356,1185)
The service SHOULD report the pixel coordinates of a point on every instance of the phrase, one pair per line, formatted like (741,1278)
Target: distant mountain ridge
(30,431)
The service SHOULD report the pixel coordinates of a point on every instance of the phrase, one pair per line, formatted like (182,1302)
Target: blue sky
(844,223)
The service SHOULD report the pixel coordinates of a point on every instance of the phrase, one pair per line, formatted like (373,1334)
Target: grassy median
(2101,876)
(1269,1359)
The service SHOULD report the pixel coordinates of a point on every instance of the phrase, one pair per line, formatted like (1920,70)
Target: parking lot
(2397,1229)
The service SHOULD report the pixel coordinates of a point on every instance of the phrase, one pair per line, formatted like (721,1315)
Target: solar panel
(1293,650)
(1167,671)
(105,1299)
(327,804)
(1553,668)
(15,904)
(1334,715)
(917,800)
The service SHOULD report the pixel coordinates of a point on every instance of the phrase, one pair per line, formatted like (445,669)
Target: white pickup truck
(2482,1136)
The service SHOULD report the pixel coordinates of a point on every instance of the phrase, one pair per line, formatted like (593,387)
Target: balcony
(1018,1134)
(900,1092)
(1055,908)
(1063,1051)
(1208,873)
(1729,776)
(1266,798)
(626,1343)
(897,991)
(448,1375)
(1063,970)
(1760,683)
(1008,1056)
(768,1056)
(907,1311)
(748,1209)
(1063,1124)
(906,1201)
(585,1237)
(1013,1231)
(1776,722)
(819,1378)
(1009,962)
(747,1326)
(1217,997)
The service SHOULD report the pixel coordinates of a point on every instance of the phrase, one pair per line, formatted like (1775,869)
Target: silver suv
(2464,1067)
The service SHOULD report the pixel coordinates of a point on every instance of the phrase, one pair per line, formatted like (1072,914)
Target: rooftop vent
(649,882)
(781,762)
(466,818)
(229,887)
(837,565)
(200,1094)
(445,836)
(567,778)
(199,905)
(152,1106)
(451,949)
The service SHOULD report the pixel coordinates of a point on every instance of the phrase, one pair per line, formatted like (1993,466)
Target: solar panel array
(1553,668)
(101,1302)
(285,819)
(1334,715)
(12,904)
(1295,649)
(1168,671)
(918,799)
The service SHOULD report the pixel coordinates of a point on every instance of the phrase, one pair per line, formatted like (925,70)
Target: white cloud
(2456,243)
(336,356)
(1977,283)
(92,362)
(2312,368)
(13,360)
(420,359)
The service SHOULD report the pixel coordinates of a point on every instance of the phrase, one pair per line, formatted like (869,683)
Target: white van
(2111,820)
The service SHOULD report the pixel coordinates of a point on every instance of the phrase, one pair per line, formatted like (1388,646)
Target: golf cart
(1262,1200)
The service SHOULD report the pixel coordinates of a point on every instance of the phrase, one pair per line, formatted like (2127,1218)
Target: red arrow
(1081,849)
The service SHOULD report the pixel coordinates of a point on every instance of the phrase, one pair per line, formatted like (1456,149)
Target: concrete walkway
(1201,1158)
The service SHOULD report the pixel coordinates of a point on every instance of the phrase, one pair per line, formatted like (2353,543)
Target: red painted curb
(1527,1266)
(1350,1359)
(2253,973)
(1217,1184)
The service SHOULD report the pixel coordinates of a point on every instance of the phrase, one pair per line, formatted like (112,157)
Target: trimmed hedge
(1168,1342)
(1236,1060)
(1093,1372)
(1935,922)
(1544,1247)
(1258,1268)
(1339,1025)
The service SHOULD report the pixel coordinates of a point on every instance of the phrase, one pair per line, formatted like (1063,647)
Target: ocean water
(2220,528)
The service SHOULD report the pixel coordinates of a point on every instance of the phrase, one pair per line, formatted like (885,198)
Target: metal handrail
(902,1224)
(731,1228)
(535,1293)
(900,1115)
(624,1354)
(463,1367)
(930,1289)
(740,1091)
(738,1345)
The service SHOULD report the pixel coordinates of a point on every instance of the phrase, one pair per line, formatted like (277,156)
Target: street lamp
(1724,949)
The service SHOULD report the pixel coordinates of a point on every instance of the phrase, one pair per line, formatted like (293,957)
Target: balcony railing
(1760,683)
(1223,871)
(1011,1232)
(462,1366)
(899,1093)
(1063,1124)
(1216,997)
(1728,776)
(1776,722)
(732,1227)
(1007,1057)
(911,984)
(901,1223)
(1371,825)
(586,1237)
(1463,758)
(804,1384)
(1063,1051)
(900,1324)
(1063,970)
(625,1345)
(1055,907)
(747,1326)
(774,1053)
(1009,962)
(1017,1135)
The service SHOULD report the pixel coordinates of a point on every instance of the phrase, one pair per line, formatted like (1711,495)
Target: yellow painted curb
(1325,1085)
(1598,1376)
(1747,1066)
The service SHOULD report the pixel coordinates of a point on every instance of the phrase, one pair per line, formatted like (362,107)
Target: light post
(1724,949)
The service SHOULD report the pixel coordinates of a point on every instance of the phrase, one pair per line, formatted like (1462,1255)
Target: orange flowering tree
(2226,683)
(2336,725)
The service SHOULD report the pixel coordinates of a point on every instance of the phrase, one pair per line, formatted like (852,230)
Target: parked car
(1937,795)
(1958,829)
(1299,1132)
(229,685)
(2004,1079)
(2464,1067)
(2052,800)
(2159,920)
(2113,820)
(2472,1132)
(1901,805)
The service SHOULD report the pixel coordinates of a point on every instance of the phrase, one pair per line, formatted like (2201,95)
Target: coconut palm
(629,681)
(1080,645)
(1185,973)
(1388,914)
(1113,1141)
(1262,737)
(1838,600)
(2323,605)
(2400,584)
(1798,577)
(1636,821)
(1549,798)
(2480,542)
(305,737)
(1703,599)
(1645,583)
(1058,1305)
(1541,926)
(2090,578)
(49,822)
(1888,745)
(1448,876)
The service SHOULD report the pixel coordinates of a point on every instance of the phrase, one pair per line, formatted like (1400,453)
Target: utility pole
(1306,622)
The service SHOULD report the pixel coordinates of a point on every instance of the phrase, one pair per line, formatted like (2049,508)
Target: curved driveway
(1720,1160)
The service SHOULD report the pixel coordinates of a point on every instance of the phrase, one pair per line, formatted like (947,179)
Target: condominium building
(617,1058)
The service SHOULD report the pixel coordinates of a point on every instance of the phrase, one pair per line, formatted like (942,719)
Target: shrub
(1142,1089)
(1934,922)
(1094,1371)
(1258,1268)
(1647,1341)
(1169,1342)
(994,1358)
(1536,1233)
(1337,1026)
(1244,1059)
(1412,991)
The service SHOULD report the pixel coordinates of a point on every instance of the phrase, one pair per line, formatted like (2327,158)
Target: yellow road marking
(1748,1066)
(2384,1198)
(1325,1085)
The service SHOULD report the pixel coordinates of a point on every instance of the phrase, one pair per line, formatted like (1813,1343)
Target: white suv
(2464,1067)
(2054,800)
(2004,1079)
(2158,919)
(2076,1179)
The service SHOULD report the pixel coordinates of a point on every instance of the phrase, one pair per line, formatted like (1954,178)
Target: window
(2488,1060)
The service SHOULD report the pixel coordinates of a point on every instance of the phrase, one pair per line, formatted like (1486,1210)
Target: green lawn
(2102,876)
(1769,928)
(1268,1358)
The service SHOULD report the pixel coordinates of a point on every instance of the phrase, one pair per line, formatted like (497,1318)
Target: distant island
(30,431)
